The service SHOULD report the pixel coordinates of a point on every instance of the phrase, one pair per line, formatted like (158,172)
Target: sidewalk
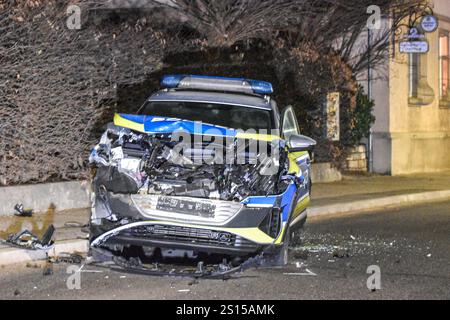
(354,193)
(354,188)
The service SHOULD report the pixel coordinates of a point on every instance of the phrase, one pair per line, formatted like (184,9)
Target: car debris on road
(20,211)
(26,240)
(70,258)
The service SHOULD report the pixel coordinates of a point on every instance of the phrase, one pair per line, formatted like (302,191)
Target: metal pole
(369,93)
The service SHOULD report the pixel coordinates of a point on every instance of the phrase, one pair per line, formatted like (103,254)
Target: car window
(290,125)
(230,116)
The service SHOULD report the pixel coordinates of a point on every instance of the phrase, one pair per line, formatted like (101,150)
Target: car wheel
(282,257)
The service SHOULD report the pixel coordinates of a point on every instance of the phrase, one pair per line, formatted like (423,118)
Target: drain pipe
(369,94)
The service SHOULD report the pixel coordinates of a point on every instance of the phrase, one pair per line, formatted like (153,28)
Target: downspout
(369,94)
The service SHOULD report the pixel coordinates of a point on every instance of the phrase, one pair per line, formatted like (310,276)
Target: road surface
(329,260)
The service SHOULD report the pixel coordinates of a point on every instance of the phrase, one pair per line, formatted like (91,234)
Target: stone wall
(356,160)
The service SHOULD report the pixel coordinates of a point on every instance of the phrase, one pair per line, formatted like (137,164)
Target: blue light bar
(261,87)
(171,81)
(241,85)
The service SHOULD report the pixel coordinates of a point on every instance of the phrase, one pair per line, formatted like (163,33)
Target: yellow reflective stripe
(122,122)
(293,166)
(252,234)
(255,136)
(297,155)
(301,206)
(280,237)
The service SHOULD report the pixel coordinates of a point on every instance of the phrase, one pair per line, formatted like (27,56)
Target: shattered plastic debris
(300,254)
(340,248)
(26,240)
(70,258)
(341,253)
(304,271)
(199,267)
(222,271)
(315,249)
(21,212)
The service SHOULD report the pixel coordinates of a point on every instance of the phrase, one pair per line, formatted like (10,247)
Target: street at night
(329,261)
(225,152)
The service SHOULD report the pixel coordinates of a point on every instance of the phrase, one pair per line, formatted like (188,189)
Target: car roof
(243,100)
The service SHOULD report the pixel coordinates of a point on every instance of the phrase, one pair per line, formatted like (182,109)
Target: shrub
(362,118)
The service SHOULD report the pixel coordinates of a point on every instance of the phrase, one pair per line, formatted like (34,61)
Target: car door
(299,162)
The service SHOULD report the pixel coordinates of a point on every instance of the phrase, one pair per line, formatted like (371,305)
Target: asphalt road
(411,247)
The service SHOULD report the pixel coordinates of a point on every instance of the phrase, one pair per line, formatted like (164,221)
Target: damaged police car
(207,166)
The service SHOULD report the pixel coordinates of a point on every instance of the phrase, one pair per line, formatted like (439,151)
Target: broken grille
(182,234)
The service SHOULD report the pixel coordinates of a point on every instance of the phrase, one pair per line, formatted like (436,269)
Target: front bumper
(174,236)
(118,219)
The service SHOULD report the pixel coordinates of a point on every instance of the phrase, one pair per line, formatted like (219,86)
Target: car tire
(282,256)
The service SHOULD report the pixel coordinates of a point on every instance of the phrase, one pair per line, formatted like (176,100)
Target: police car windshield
(230,116)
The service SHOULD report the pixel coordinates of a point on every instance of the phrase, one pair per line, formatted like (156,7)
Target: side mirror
(299,143)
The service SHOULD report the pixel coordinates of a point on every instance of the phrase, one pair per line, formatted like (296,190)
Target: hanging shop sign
(429,23)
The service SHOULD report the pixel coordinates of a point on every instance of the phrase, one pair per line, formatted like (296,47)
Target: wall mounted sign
(429,23)
(415,42)
(414,34)
(414,47)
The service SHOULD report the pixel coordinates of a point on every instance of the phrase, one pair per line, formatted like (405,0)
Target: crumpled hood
(162,125)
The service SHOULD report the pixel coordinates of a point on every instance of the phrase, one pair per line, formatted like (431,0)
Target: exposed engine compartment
(129,162)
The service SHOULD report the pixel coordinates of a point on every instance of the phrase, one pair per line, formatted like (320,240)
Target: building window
(414,75)
(420,92)
(444,66)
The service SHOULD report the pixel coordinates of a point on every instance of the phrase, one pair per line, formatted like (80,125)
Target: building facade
(412,105)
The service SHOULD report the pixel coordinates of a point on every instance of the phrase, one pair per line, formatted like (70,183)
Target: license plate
(186,207)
